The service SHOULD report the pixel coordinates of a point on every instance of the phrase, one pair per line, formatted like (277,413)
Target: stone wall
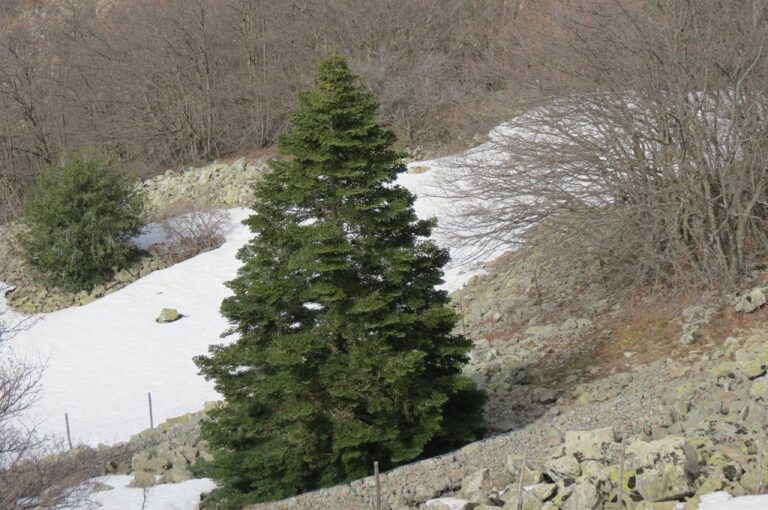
(219,184)
(420,481)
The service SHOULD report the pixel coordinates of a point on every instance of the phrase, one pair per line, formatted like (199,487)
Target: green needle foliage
(345,351)
(77,223)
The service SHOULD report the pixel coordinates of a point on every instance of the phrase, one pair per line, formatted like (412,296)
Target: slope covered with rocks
(679,416)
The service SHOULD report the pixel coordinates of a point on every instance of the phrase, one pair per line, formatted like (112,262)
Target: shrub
(77,222)
(192,228)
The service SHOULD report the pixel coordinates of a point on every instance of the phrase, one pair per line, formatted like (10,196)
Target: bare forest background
(168,82)
(643,142)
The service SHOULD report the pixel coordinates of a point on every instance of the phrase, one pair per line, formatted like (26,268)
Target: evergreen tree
(77,223)
(344,352)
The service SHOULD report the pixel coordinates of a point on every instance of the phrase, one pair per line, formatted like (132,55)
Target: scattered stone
(101,487)
(168,315)
(751,301)
(564,468)
(588,444)
(143,480)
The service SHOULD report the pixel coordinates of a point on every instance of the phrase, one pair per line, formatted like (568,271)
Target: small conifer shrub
(77,222)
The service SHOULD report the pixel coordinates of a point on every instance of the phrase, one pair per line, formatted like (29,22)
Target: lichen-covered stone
(664,469)
(564,468)
(168,315)
(588,444)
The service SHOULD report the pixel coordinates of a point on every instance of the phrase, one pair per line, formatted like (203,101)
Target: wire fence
(129,421)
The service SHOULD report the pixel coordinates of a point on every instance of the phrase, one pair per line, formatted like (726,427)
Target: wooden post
(378,485)
(69,435)
(758,482)
(151,418)
(620,492)
(519,502)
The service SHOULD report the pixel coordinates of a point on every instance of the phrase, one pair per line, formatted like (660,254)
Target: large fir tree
(345,351)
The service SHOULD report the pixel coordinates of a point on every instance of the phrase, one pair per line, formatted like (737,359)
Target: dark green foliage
(76,223)
(345,352)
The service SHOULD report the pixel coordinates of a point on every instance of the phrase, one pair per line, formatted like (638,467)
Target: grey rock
(751,301)
(168,315)
(588,444)
(563,468)
(585,496)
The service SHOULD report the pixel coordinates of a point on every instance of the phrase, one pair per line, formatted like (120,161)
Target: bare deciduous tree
(652,159)
(33,474)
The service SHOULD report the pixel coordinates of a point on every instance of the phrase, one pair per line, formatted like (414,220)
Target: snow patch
(724,501)
(174,496)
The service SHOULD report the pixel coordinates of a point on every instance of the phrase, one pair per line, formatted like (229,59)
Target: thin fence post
(620,492)
(69,435)
(378,485)
(758,481)
(519,502)
(151,418)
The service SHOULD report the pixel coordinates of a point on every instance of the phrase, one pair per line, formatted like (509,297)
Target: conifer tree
(344,350)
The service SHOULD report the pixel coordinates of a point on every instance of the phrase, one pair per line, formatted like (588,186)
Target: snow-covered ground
(724,501)
(176,496)
(102,359)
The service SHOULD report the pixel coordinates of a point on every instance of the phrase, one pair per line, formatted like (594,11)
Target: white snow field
(172,496)
(102,359)
(724,501)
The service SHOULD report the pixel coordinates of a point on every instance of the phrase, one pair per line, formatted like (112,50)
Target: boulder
(751,301)
(564,468)
(479,481)
(541,491)
(176,474)
(664,469)
(168,315)
(149,462)
(101,487)
(142,480)
(759,388)
(588,444)
(755,364)
(449,504)
(585,495)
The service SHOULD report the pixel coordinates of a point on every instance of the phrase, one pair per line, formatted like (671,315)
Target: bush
(78,220)
(192,228)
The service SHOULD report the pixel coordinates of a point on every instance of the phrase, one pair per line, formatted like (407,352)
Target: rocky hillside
(654,427)
(599,413)
(675,385)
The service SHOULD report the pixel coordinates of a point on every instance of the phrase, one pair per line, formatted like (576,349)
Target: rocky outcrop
(31,298)
(703,417)
(219,184)
(752,300)
(166,453)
